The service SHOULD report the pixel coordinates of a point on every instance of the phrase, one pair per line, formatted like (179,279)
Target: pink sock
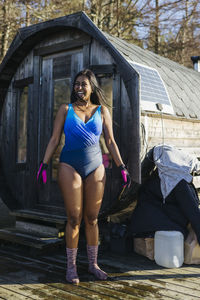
(92,252)
(72,275)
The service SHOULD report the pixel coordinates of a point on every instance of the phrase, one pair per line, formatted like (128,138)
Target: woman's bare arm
(56,135)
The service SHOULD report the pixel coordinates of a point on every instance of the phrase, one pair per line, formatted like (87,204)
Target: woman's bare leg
(71,186)
(93,194)
(93,190)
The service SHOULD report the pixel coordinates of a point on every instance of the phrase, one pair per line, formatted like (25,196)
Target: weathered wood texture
(75,27)
(25,69)
(69,35)
(5,219)
(181,133)
(38,69)
(99,54)
(131,276)
(33,55)
(40,107)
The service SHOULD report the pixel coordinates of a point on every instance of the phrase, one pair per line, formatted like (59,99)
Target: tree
(186,35)
(167,27)
(9,14)
(175,35)
(117,17)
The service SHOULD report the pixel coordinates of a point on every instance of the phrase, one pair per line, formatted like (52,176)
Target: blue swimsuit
(82,150)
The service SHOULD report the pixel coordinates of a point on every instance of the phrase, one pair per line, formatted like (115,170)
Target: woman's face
(82,88)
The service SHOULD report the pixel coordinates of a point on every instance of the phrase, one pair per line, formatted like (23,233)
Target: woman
(81,174)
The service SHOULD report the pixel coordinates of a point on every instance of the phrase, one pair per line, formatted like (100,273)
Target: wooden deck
(24,276)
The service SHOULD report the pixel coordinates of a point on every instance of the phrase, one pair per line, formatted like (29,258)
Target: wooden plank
(183,283)
(129,292)
(37,291)
(173,289)
(76,64)
(132,276)
(92,289)
(61,36)
(30,187)
(55,284)
(61,66)
(116,115)
(23,82)
(125,127)
(106,69)
(63,46)
(86,56)
(146,284)
(25,68)
(9,294)
(139,290)
(99,55)
(160,287)
(40,215)
(104,290)
(86,290)
(143,287)
(94,286)
(180,133)
(45,196)
(189,274)
(11,234)
(39,229)
(183,278)
(23,291)
(173,284)
(166,291)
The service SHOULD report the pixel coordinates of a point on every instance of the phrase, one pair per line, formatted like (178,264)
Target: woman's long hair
(97,96)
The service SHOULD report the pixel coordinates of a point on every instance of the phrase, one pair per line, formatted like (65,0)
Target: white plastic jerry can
(169,248)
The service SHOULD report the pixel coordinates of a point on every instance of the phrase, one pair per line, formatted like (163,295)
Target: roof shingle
(181,83)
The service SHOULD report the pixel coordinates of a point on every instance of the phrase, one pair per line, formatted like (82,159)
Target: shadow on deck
(131,276)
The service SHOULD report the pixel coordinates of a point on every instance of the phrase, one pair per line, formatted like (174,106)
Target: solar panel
(153,93)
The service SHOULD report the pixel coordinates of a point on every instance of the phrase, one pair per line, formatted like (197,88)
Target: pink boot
(71,275)
(92,252)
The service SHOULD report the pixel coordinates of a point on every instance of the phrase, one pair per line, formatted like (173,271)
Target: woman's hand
(42,173)
(125,175)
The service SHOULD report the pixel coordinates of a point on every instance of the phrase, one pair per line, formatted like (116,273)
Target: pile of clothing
(168,199)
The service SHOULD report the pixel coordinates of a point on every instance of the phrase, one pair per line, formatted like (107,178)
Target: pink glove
(42,173)
(125,175)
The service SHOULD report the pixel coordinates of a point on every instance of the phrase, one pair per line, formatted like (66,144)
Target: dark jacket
(152,214)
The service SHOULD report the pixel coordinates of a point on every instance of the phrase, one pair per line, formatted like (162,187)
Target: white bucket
(169,249)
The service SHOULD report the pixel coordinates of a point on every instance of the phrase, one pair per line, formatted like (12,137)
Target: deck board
(24,276)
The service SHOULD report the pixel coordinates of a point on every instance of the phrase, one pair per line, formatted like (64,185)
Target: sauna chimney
(196,62)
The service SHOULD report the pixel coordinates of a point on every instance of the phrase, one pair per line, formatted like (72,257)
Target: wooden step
(35,229)
(38,241)
(40,216)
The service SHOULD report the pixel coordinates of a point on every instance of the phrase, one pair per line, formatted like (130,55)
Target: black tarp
(179,208)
